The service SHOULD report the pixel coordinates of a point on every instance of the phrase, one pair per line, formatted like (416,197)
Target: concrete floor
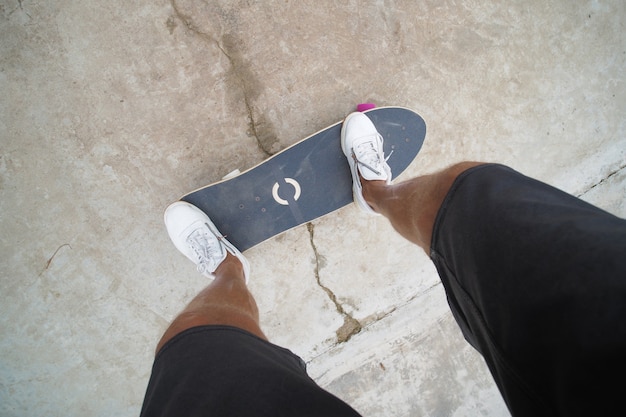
(112,110)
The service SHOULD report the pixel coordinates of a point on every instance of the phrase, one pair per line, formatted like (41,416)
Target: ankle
(373,192)
(229,266)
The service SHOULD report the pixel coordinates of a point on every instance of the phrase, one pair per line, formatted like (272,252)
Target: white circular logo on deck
(296,194)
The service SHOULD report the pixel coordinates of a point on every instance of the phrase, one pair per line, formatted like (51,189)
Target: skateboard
(302,182)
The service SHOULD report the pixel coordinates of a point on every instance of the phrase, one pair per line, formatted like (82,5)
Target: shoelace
(207,250)
(371,155)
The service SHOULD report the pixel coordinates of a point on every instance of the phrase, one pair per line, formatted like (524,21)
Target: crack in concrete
(20,7)
(49,262)
(351,326)
(383,316)
(602,181)
(237,71)
(375,318)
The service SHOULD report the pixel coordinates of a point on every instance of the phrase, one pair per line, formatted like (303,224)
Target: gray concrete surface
(111,110)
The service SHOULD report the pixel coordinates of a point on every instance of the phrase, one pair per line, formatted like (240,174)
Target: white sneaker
(363,146)
(193,233)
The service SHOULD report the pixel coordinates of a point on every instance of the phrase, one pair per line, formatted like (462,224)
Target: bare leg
(412,205)
(226,301)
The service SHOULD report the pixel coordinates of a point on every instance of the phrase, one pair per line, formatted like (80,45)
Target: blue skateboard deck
(302,182)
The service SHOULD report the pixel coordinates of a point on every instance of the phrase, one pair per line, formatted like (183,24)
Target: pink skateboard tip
(365,106)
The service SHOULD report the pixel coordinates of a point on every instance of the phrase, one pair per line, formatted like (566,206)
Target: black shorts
(225,371)
(536,279)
